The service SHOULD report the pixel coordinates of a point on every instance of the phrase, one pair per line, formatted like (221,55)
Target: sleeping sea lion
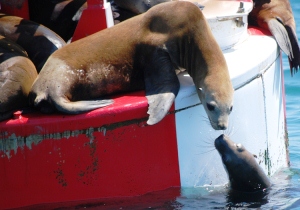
(17,73)
(140,53)
(277,16)
(38,41)
(243,171)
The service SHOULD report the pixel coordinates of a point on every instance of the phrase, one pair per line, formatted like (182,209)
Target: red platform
(109,152)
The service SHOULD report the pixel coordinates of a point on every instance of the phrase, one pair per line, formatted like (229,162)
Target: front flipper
(295,60)
(279,32)
(287,41)
(161,84)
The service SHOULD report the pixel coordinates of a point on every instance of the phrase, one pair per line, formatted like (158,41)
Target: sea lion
(13,3)
(141,6)
(277,16)
(61,16)
(243,171)
(38,41)
(138,6)
(17,73)
(140,53)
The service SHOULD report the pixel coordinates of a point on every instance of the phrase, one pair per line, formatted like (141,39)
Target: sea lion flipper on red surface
(63,104)
(161,84)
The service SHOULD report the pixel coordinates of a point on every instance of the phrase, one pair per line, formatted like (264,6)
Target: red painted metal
(252,30)
(93,19)
(108,152)
(7,7)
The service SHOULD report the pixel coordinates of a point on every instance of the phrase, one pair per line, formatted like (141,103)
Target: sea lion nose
(222,126)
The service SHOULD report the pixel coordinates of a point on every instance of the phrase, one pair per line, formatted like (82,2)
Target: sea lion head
(243,171)
(216,96)
(198,52)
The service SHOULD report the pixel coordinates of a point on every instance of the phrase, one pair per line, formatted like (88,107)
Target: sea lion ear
(161,84)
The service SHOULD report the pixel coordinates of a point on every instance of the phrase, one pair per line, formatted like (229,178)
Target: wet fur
(243,171)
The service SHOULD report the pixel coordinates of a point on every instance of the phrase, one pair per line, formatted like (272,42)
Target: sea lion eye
(210,107)
(239,147)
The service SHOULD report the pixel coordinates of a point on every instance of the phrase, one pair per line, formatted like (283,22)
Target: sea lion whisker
(205,152)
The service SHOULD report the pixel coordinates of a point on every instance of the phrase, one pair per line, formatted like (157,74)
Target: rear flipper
(66,106)
(287,41)
(77,107)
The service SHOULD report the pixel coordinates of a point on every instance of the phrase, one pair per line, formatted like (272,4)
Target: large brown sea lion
(17,73)
(243,171)
(38,41)
(277,16)
(141,52)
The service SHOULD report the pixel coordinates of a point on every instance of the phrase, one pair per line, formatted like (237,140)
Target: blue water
(285,193)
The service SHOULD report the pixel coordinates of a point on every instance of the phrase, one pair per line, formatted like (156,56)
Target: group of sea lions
(142,52)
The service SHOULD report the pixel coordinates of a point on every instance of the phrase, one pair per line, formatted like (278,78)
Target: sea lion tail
(287,41)
(76,107)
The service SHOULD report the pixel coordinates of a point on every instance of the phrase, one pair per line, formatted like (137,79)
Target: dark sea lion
(138,6)
(141,52)
(61,16)
(17,74)
(141,6)
(38,41)
(277,16)
(243,171)
(13,3)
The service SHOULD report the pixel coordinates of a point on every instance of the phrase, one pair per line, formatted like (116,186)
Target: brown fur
(277,16)
(17,74)
(168,36)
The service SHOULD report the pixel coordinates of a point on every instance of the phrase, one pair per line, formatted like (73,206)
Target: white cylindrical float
(258,117)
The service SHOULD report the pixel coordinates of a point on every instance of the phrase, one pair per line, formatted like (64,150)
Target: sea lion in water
(140,53)
(17,73)
(38,41)
(277,16)
(243,171)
